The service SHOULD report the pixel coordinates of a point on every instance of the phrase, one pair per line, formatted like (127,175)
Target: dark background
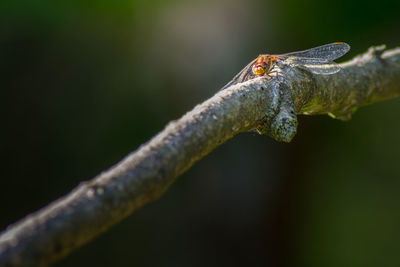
(85,82)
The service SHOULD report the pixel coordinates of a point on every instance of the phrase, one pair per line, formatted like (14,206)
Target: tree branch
(266,105)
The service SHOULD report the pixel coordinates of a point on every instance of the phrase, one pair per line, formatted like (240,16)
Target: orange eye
(259,68)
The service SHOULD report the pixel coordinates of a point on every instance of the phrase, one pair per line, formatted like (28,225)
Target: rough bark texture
(267,105)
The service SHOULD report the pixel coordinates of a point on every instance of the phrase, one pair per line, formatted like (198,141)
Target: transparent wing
(324,69)
(244,75)
(317,55)
(314,65)
(296,61)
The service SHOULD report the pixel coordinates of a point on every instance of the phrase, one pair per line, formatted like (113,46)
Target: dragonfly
(318,60)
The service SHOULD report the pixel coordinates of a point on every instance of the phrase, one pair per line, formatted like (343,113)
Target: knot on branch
(376,51)
(280,120)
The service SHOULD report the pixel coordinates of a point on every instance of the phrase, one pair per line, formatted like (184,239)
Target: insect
(318,60)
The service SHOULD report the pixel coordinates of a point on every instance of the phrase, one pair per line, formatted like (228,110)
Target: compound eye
(259,68)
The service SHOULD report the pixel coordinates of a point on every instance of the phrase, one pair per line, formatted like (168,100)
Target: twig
(267,105)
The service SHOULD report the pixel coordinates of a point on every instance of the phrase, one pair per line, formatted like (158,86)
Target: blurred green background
(85,82)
